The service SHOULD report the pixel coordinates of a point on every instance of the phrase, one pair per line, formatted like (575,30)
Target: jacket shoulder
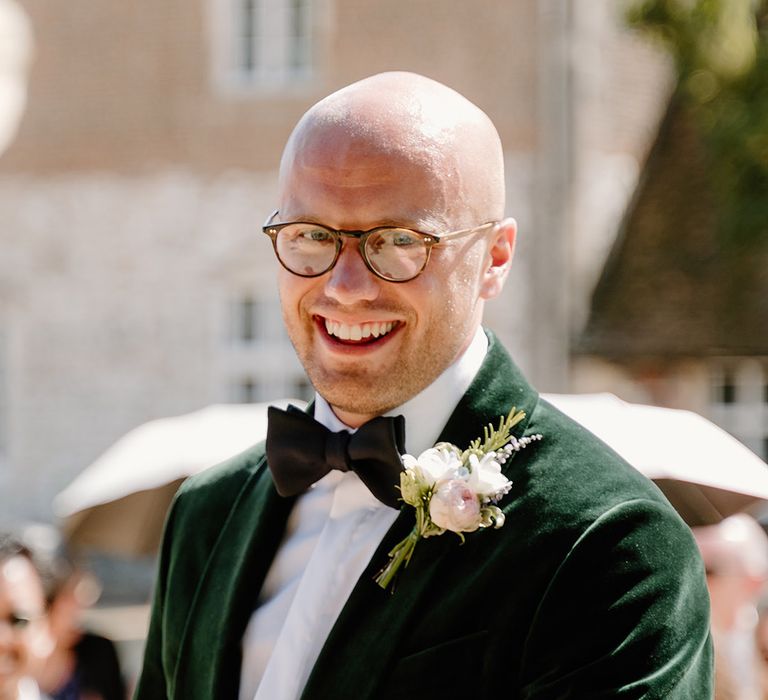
(581,475)
(221,482)
(204,501)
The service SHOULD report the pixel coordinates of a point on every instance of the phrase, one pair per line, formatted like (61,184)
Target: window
(245,320)
(265,43)
(254,358)
(3,398)
(724,387)
(254,320)
(247,43)
(302,389)
(247,391)
(739,400)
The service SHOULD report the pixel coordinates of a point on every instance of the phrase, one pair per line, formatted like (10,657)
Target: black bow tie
(300,451)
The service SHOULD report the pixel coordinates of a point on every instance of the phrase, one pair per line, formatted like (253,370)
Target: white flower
(455,506)
(454,490)
(433,464)
(486,478)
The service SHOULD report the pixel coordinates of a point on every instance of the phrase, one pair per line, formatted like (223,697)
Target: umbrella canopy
(705,473)
(118,503)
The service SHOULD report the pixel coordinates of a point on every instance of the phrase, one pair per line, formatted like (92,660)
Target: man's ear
(498,259)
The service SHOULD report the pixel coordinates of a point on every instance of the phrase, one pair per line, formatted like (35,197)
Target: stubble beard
(369,393)
(367,390)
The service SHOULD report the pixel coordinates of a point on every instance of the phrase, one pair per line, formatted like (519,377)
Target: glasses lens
(306,249)
(396,253)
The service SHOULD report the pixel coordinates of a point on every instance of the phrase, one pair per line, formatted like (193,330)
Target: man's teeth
(343,331)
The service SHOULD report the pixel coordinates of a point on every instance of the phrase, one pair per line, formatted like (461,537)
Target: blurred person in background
(735,554)
(761,639)
(15,51)
(24,635)
(23,628)
(80,665)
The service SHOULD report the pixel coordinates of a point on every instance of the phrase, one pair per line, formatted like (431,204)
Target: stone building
(134,281)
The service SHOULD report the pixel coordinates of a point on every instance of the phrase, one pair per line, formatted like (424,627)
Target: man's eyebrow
(427,225)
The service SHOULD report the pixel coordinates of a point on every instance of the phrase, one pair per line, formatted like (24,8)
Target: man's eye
(403,238)
(318,235)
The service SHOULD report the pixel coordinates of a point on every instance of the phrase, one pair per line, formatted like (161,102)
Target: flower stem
(399,555)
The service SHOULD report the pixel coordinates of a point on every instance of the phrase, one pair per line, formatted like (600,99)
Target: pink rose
(454,506)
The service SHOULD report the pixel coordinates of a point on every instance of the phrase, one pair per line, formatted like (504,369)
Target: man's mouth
(367,332)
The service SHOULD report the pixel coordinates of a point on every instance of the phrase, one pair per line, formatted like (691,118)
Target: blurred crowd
(44,651)
(46,654)
(735,554)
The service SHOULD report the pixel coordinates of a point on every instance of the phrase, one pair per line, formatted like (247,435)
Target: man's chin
(364,397)
(355,404)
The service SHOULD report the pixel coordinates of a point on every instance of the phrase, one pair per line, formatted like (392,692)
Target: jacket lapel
(357,653)
(228,590)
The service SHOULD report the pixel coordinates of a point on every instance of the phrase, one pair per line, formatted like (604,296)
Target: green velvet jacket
(593,588)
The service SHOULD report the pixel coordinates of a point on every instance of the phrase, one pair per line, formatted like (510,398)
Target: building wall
(117,308)
(137,86)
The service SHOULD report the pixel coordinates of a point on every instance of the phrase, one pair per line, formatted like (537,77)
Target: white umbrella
(705,473)
(118,503)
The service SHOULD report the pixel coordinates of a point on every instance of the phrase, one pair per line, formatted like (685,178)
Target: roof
(673,286)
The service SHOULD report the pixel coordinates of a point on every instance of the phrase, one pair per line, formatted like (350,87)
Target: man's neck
(351,420)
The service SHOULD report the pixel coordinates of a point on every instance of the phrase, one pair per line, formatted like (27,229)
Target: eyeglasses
(392,253)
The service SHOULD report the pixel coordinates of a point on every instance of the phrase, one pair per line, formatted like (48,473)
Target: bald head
(393,151)
(364,133)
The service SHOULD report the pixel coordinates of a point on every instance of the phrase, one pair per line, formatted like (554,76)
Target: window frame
(242,69)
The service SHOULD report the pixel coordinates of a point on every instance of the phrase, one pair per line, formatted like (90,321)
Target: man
(23,631)
(592,587)
(77,665)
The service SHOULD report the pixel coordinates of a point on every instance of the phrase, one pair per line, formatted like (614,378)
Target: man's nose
(350,280)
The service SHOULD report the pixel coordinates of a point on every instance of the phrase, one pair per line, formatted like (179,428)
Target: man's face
(21,597)
(369,345)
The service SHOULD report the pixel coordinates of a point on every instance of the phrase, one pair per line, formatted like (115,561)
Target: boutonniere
(454,490)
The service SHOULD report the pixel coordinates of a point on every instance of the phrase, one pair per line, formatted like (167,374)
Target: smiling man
(391,235)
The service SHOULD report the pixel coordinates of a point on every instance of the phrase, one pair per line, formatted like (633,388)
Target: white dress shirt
(331,535)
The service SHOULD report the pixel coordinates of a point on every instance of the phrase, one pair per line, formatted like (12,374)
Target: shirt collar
(28,690)
(426,413)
